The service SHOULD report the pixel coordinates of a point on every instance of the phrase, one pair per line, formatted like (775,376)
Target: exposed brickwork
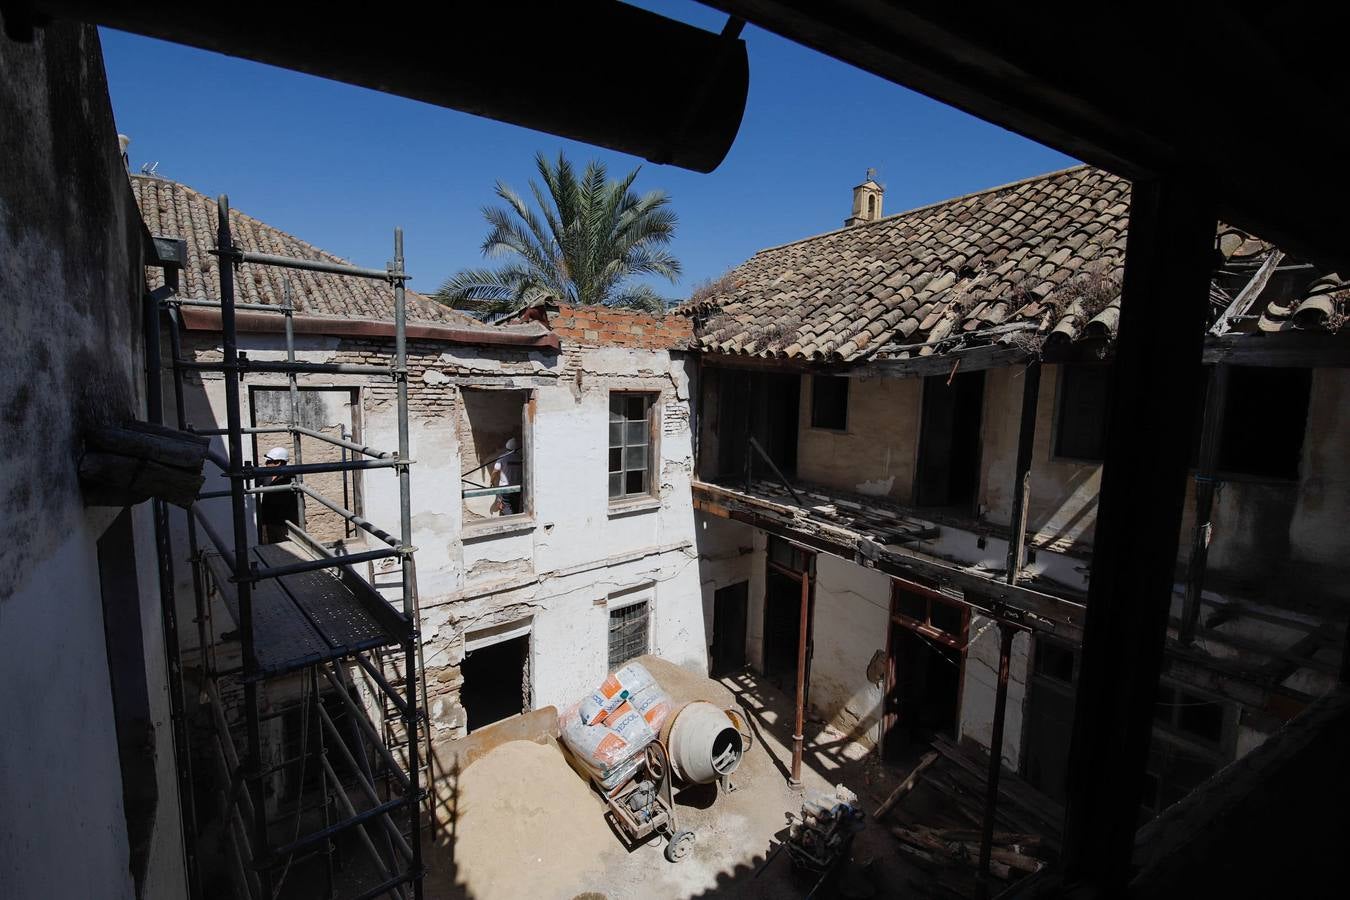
(601,326)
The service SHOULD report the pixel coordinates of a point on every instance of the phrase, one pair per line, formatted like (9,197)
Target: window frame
(811,410)
(653,448)
(525,518)
(623,602)
(1060,411)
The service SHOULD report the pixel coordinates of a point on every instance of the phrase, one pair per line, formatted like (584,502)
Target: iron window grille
(628,633)
(630,445)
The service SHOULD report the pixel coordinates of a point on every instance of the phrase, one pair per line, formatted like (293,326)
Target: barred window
(630,444)
(628,633)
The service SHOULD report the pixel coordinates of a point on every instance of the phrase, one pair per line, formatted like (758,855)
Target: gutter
(196,318)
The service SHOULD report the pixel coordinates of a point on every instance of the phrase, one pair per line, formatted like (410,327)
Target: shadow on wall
(1070,516)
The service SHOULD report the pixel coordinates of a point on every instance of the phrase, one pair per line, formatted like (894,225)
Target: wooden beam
(1026,440)
(971,359)
(1290,349)
(1151,408)
(1031,609)
(1216,398)
(1247,296)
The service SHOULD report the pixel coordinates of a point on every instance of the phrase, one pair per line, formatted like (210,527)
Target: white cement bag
(608,729)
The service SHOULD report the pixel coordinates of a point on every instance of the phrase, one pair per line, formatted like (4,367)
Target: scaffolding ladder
(377,799)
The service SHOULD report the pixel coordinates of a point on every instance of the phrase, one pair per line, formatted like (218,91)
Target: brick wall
(600,326)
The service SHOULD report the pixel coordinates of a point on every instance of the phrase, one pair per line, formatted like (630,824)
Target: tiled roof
(1038,260)
(175,210)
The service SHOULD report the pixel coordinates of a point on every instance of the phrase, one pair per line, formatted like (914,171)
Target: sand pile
(684,685)
(527,825)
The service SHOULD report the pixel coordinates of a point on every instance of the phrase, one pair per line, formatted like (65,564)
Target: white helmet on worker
(278,454)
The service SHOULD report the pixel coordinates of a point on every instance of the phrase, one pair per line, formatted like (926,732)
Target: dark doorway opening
(782,628)
(949,441)
(923,673)
(1049,722)
(496,682)
(729,620)
(762,405)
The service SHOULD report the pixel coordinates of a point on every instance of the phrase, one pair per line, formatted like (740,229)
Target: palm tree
(589,237)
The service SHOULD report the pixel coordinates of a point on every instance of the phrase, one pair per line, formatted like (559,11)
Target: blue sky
(339,166)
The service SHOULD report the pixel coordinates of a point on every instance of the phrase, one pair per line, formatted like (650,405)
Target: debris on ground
(947,845)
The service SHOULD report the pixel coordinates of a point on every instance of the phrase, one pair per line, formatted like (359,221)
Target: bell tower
(866,201)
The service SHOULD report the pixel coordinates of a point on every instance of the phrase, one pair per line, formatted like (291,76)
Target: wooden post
(799,723)
(1168,266)
(1005,633)
(1026,439)
(1215,400)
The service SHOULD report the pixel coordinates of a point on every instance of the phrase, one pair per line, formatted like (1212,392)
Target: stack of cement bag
(608,730)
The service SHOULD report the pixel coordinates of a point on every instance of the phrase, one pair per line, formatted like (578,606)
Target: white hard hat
(279,453)
(512,444)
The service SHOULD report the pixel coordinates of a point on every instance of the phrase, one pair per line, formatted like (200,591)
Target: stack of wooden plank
(1012,855)
(944,840)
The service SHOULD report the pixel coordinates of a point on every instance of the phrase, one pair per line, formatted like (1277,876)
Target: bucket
(704,743)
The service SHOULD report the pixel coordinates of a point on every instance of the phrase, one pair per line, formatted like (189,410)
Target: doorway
(948,472)
(729,620)
(924,667)
(496,681)
(785,570)
(762,405)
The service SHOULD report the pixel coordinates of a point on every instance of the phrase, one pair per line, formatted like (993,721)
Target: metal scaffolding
(308,622)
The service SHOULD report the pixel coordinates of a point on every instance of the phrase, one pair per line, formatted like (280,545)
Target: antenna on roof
(150,168)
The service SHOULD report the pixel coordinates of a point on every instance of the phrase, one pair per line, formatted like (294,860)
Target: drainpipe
(799,723)
(1205,484)
(1005,633)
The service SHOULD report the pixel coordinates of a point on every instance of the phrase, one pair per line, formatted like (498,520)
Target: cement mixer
(706,743)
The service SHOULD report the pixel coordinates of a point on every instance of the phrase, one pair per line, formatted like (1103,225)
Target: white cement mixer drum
(704,743)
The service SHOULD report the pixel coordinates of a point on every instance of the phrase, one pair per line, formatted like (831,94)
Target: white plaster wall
(64,829)
(980,689)
(726,556)
(851,616)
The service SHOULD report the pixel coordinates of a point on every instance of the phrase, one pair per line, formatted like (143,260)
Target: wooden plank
(1024,606)
(907,785)
(1301,349)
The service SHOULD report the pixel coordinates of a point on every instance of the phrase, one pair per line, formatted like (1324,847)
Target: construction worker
(275,508)
(507,471)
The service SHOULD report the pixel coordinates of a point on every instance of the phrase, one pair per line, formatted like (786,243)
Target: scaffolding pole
(400,871)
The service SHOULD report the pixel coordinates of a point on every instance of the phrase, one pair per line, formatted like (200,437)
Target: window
(494,462)
(630,445)
(1080,427)
(829,402)
(927,613)
(628,632)
(1264,418)
(1055,661)
(1190,716)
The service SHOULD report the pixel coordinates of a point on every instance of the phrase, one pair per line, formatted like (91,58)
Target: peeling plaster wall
(554,569)
(851,621)
(727,555)
(979,690)
(71,285)
(1063,509)
(1286,541)
(877,452)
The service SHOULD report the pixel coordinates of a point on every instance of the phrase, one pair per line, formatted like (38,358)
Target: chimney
(866,201)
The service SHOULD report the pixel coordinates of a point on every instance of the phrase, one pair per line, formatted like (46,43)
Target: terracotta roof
(171,209)
(1039,260)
